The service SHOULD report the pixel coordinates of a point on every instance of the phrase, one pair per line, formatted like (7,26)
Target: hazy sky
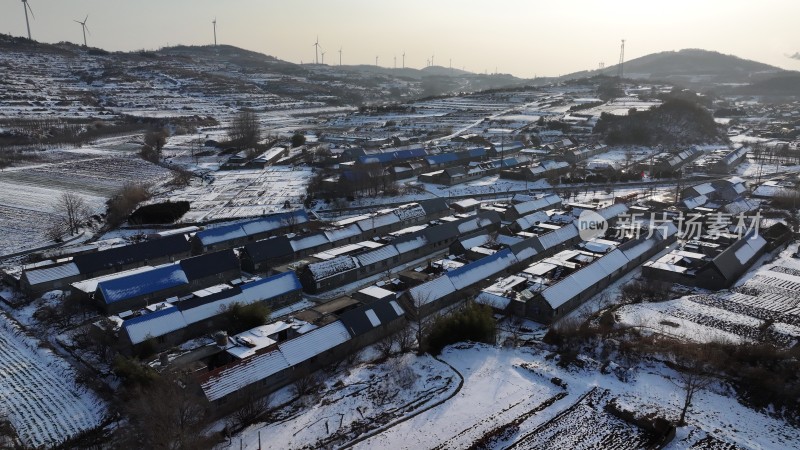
(525,38)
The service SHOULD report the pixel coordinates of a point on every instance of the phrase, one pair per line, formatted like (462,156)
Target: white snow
(38,392)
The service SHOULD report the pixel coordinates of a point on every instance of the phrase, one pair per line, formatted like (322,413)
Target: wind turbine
(432,59)
(340,56)
(404,60)
(26,7)
(376,61)
(316,51)
(395,61)
(323,58)
(85,28)
(214,22)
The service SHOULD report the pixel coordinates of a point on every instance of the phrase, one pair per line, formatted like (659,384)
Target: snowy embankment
(38,393)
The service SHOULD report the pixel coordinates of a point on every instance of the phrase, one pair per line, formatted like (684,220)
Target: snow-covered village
(209,247)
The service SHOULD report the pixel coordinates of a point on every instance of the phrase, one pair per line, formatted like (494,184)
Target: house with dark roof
(372,322)
(59,275)
(714,272)
(269,368)
(139,289)
(261,255)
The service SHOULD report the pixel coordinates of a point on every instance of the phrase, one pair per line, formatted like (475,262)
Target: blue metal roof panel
(476,152)
(220,234)
(441,159)
(143,283)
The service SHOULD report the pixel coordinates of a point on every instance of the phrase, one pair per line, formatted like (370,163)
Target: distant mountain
(208,80)
(407,72)
(690,67)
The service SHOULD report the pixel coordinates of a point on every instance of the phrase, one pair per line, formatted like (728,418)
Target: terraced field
(765,307)
(586,425)
(37,392)
(28,195)
(94,176)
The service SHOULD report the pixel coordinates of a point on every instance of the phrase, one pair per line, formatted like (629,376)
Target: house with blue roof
(167,324)
(240,233)
(139,289)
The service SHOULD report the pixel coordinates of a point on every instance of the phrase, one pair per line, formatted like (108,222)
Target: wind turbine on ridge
(214,22)
(26,7)
(340,56)
(316,51)
(85,28)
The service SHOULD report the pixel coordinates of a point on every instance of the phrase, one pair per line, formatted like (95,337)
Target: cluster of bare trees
(245,131)
(368,179)
(166,414)
(154,142)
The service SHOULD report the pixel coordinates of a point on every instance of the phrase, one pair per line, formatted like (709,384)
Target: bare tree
(245,130)
(156,139)
(405,339)
(423,323)
(306,383)
(74,210)
(167,415)
(691,381)
(252,410)
(514,330)
(629,158)
(56,230)
(385,346)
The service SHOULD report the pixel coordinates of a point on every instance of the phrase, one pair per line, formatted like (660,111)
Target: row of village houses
(523,257)
(542,278)
(60,273)
(514,162)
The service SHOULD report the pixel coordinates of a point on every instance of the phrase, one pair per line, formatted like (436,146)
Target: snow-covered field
(364,398)
(496,391)
(243,193)
(509,399)
(37,392)
(29,195)
(751,168)
(764,305)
